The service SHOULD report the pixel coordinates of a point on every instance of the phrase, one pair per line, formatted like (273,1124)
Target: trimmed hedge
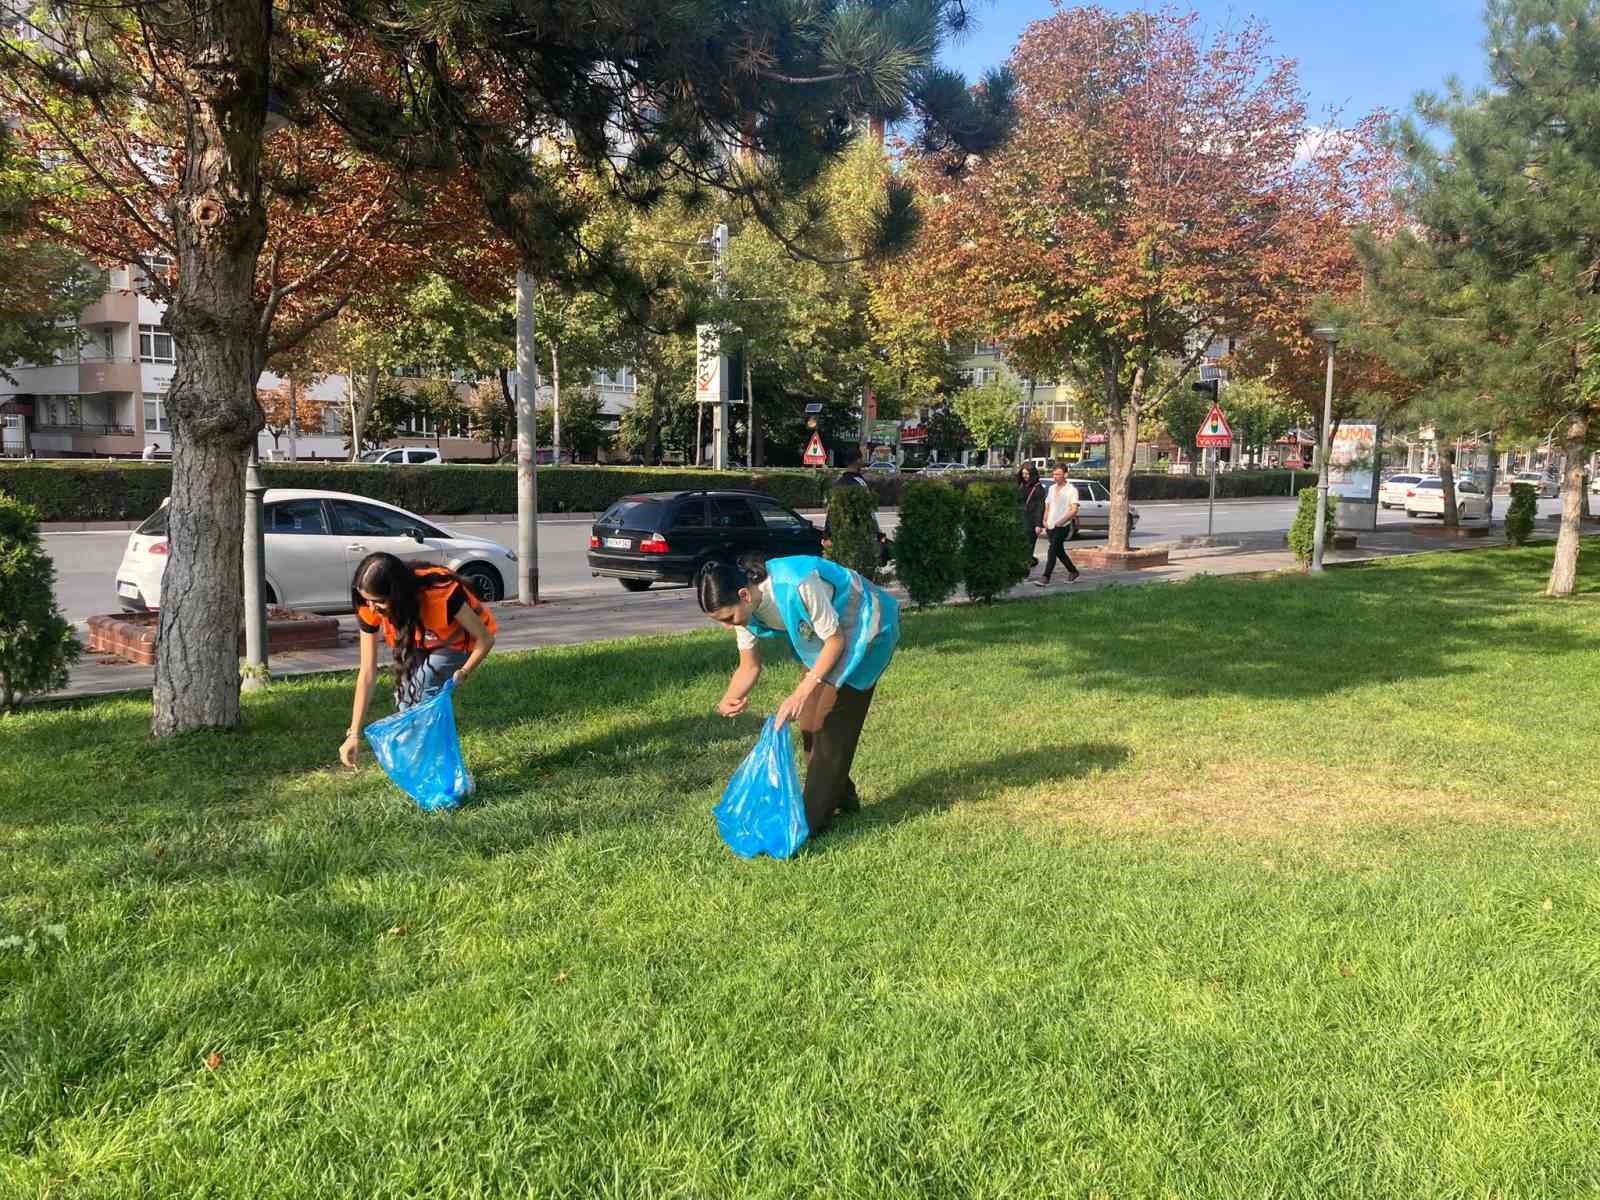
(1519,517)
(1231,485)
(1303,532)
(927,545)
(83,491)
(994,558)
(854,531)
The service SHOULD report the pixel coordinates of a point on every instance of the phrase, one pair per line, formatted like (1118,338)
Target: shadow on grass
(951,785)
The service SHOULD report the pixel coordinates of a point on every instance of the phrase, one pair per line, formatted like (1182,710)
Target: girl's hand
(729,706)
(459,677)
(351,747)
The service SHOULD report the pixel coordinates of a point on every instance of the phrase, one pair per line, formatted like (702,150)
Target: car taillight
(158,547)
(1410,493)
(654,544)
(594,542)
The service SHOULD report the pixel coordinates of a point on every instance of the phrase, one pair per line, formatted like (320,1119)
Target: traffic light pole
(1211,504)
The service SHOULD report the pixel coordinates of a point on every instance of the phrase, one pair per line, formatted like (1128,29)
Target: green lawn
(1236,888)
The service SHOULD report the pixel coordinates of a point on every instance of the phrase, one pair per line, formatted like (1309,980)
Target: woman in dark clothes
(1030,506)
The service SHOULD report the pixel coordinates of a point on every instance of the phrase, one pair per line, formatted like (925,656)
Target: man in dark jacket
(855,476)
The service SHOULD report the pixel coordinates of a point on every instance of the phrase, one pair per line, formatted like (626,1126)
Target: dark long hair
(395,581)
(718,583)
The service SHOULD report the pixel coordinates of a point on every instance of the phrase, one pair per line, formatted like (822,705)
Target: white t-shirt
(1058,505)
(815,593)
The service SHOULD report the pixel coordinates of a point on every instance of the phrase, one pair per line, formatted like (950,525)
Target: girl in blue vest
(841,628)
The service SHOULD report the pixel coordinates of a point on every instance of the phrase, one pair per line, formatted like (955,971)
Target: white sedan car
(1426,498)
(1393,492)
(314,541)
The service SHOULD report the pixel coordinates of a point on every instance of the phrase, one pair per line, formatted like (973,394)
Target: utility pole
(711,366)
(527,447)
(257,671)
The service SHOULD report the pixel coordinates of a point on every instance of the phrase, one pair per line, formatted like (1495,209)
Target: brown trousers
(829,752)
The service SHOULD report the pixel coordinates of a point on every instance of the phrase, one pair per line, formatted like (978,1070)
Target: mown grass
(1236,888)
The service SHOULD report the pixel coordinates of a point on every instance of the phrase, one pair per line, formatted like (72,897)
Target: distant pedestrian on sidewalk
(841,628)
(437,626)
(1030,502)
(1060,511)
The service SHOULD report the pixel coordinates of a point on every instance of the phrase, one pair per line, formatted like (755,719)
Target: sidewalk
(566,621)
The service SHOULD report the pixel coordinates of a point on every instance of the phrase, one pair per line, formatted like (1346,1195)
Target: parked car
(1393,492)
(1094,508)
(1544,486)
(666,537)
(1092,464)
(1425,498)
(883,467)
(404,456)
(314,540)
(944,468)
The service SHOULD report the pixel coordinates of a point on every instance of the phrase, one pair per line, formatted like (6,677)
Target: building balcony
(113,373)
(114,308)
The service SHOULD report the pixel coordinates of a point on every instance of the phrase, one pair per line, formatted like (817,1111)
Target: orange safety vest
(439,630)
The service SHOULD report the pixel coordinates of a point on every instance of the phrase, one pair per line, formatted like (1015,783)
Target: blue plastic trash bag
(419,750)
(761,811)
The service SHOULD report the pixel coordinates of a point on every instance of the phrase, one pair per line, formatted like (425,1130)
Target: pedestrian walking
(1060,510)
(438,628)
(843,630)
(854,475)
(1030,503)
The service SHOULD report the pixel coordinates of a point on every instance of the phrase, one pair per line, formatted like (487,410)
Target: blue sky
(1354,56)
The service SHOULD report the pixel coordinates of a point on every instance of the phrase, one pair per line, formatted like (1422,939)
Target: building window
(155,344)
(155,414)
(153,266)
(60,412)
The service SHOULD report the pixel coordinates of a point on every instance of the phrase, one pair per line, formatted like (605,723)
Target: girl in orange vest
(439,631)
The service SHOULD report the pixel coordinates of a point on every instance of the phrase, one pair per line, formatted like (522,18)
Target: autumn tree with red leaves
(1156,192)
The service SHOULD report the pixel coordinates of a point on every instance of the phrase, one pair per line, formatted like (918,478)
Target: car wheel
(484,581)
(635,585)
(1410,515)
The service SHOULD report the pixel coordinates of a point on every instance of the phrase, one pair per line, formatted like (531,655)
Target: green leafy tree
(584,429)
(37,645)
(1496,273)
(990,412)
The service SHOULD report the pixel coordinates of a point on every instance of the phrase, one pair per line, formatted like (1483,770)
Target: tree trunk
(652,426)
(361,409)
(1122,442)
(1564,571)
(219,224)
(1447,477)
(749,418)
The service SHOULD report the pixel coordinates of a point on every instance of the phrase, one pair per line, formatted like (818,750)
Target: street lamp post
(1329,335)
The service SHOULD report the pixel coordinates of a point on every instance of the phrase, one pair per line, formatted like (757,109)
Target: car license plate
(619,543)
(130,590)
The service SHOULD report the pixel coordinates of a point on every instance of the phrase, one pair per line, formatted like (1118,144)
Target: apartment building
(1052,400)
(107,397)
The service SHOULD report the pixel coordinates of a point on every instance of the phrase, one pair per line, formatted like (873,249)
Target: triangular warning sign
(815,455)
(1214,430)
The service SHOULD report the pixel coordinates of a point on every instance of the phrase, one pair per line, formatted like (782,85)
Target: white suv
(409,456)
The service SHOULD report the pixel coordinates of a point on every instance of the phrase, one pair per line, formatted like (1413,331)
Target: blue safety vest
(869,617)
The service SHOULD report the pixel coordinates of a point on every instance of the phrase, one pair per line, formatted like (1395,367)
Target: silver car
(314,541)
(1094,508)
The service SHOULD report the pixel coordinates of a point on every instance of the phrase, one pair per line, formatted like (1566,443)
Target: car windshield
(1431,485)
(634,512)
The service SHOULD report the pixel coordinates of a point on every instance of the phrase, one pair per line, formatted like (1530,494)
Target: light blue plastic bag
(761,810)
(420,751)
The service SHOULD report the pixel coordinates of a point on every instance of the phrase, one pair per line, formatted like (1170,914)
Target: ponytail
(718,583)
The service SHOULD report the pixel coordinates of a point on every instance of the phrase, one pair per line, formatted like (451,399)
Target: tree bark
(219,223)
(1122,442)
(1564,570)
(652,426)
(361,409)
(749,417)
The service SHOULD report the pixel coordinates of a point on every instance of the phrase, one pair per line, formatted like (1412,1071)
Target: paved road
(86,563)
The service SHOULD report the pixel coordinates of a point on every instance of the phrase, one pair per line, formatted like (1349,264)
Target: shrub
(1303,533)
(91,491)
(36,643)
(994,557)
(1519,517)
(854,533)
(927,547)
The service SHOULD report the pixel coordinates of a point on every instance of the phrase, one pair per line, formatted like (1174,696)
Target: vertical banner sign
(1350,461)
(711,387)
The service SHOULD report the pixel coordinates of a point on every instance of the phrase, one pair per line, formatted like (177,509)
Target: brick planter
(1102,559)
(133,635)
